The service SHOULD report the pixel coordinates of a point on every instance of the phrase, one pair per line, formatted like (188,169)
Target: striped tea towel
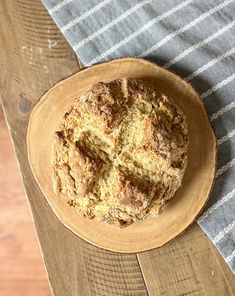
(195,39)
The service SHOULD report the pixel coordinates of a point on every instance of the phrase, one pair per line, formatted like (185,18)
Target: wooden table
(34,56)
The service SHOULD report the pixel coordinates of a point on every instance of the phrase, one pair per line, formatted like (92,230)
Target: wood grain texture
(33,57)
(191,265)
(21,267)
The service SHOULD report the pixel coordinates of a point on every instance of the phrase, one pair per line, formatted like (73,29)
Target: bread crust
(120,152)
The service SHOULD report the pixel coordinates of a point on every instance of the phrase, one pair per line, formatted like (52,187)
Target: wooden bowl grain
(181,211)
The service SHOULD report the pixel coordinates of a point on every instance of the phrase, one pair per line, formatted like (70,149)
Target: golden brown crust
(120,152)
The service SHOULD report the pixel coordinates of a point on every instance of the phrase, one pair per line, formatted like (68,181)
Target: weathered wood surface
(34,56)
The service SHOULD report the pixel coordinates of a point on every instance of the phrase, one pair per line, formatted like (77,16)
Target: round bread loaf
(120,152)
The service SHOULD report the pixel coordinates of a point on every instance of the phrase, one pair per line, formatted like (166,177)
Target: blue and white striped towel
(195,39)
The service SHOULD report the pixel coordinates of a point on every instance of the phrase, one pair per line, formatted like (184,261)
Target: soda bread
(120,152)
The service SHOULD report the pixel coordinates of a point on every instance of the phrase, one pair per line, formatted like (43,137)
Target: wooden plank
(34,56)
(21,266)
(188,265)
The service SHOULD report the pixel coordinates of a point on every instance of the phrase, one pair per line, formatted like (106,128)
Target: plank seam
(141,270)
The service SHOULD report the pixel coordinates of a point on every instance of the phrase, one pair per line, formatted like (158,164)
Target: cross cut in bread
(120,152)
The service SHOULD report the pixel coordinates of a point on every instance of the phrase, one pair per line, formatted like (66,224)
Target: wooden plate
(188,201)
